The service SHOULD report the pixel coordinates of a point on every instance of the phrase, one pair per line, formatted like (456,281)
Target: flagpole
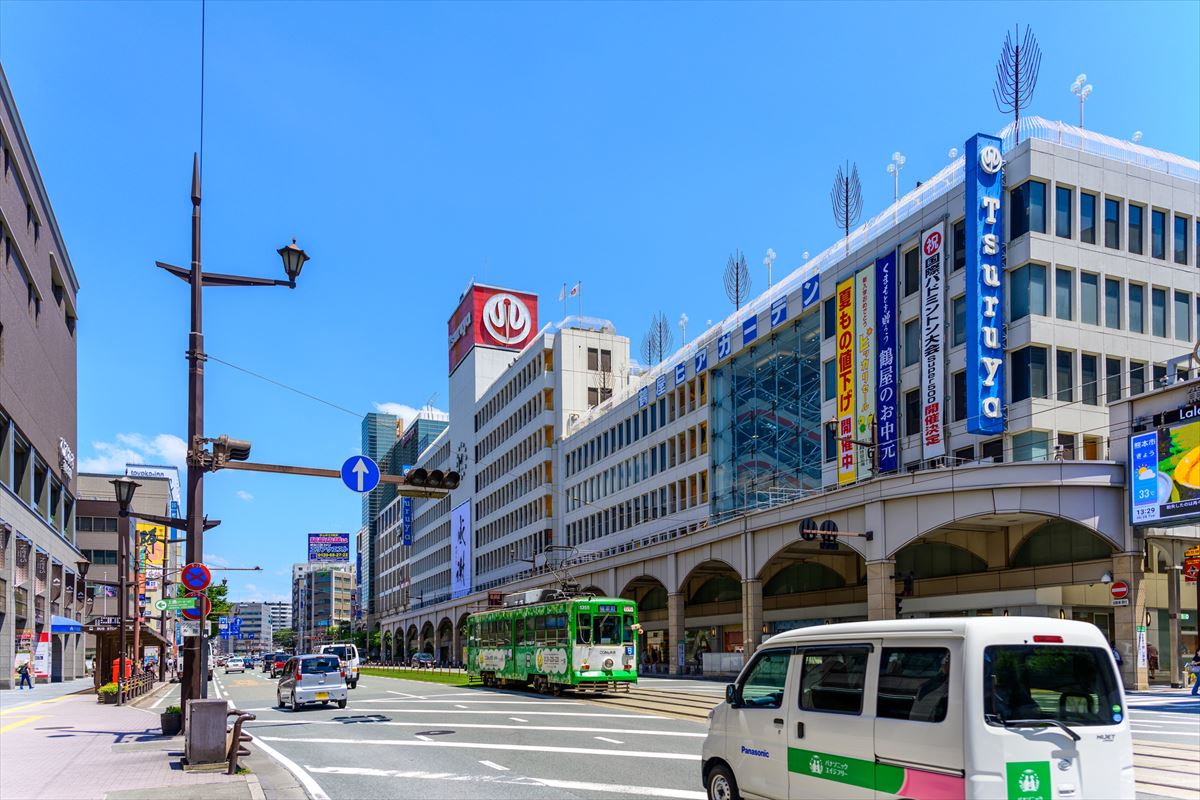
(563,295)
(580,286)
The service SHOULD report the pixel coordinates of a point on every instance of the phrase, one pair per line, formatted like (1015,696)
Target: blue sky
(411,147)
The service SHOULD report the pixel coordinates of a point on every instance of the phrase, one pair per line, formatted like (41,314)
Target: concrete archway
(712,610)
(385,645)
(426,643)
(593,589)
(444,643)
(651,597)
(411,642)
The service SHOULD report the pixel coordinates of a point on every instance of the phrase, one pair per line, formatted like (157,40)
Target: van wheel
(341,703)
(354,684)
(721,784)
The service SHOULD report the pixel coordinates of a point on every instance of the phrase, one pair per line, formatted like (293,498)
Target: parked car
(308,679)
(278,662)
(348,653)
(421,661)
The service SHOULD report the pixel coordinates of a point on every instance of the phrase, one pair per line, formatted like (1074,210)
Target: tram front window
(606,630)
(627,629)
(584,629)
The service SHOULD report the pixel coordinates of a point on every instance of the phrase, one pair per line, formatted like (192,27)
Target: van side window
(832,679)
(763,687)
(914,683)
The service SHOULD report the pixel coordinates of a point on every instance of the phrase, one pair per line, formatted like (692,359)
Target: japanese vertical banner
(864,364)
(845,381)
(933,439)
(886,402)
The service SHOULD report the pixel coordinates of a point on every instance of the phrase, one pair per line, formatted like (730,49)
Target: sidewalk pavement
(44,691)
(73,748)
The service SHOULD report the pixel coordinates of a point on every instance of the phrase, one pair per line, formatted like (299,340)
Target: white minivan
(348,653)
(1002,708)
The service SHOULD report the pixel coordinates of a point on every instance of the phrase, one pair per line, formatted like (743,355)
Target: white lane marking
(481,702)
(458,706)
(583,751)
(610,741)
(1167,733)
(552,783)
(518,719)
(526,713)
(217,689)
(485,726)
(402,694)
(310,785)
(422,738)
(494,766)
(1191,723)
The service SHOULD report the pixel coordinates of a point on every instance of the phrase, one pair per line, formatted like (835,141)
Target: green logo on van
(1028,780)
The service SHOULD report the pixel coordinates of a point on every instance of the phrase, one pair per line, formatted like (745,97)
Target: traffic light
(226,449)
(431,479)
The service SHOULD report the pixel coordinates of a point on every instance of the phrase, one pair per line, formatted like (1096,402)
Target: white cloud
(135,448)
(216,560)
(407,412)
(252,593)
(242,494)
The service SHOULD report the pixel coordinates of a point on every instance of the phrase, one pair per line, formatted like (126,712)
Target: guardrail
(234,737)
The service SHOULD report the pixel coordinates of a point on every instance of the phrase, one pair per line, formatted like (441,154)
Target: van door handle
(779,721)
(799,730)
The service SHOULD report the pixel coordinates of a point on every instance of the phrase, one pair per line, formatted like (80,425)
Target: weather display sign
(1164,466)
(328,548)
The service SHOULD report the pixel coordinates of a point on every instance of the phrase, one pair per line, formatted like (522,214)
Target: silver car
(312,679)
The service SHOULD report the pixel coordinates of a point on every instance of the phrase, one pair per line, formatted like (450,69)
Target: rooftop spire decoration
(846,197)
(1017,74)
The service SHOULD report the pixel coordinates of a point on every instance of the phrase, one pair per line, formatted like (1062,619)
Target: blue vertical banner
(750,330)
(701,359)
(660,385)
(778,311)
(985,290)
(886,382)
(680,373)
(724,347)
(643,397)
(406,515)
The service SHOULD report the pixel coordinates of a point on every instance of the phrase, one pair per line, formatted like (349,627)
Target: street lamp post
(1080,90)
(198,459)
(124,489)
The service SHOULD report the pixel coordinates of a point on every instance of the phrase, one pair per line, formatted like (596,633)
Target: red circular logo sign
(933,243)
(1119,589)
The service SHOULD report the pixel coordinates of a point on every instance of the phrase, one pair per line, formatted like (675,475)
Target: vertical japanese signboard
(406,521)
(845,381)
(864,364)
(933,439)
(886,402)
(985,294)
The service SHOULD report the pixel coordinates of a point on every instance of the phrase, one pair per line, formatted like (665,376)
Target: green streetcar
(551,641)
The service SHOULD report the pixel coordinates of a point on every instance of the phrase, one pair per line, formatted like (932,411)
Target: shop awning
(64,625)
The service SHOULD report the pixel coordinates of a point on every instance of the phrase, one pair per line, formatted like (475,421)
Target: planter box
(172,724)
(108,699)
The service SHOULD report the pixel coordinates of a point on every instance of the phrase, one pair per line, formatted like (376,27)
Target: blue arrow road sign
(360,473)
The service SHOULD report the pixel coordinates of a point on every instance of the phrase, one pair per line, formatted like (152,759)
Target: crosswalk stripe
(585,751)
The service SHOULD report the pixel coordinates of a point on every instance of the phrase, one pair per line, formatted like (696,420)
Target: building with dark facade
(41,598)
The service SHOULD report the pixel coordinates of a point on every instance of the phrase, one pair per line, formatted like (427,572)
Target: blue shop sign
(985,292)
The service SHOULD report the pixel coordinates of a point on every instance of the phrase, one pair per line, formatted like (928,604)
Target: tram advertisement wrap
(1164,466)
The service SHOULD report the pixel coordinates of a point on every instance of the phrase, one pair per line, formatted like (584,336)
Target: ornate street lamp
(83,565)
(293,261)
(124,488)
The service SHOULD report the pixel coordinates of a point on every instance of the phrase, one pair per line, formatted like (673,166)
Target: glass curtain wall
(767,431)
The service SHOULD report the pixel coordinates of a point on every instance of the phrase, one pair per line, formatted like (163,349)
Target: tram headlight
(608,663)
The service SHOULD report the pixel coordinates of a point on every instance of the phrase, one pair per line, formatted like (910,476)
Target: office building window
(1158,312)
(1031,446)
(960,395)
(605,361)
(593,358)
(1137,310)
(1088,379)
(958,310)
(1028,373)
(1112,303)
(1064,375)
(1113,370)
(1089,298)
(912,272)
(960,245)
(1066,446)
(593,396)
(1087,217)
(1183,316)
(830,379)
(830,317)
(993,450)
(1112,223)
(1181,244)
(1158,234)
(912,412)
(964,455)
(1063,290)
(1137,378)
(1028,291)
(1028,204)
(830,441)
(912,342)
(1136,226)
(1062,211)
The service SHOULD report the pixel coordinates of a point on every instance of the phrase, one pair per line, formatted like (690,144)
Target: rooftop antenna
(953,154)
(683,321)
(737,279)
(1017,74)
(658,339)
(1081,89)
(1137,137)
(846,197)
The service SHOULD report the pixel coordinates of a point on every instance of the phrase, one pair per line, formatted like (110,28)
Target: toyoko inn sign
(985,292)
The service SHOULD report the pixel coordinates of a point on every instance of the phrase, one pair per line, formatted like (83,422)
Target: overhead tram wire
(282,385)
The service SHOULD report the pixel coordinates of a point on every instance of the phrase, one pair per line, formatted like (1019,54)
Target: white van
(348,653)
(1010,708)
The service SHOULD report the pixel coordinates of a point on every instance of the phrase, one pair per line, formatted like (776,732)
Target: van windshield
(1059,683)
(339,651)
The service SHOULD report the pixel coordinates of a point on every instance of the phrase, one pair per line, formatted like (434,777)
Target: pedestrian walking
(1194,668)
(26,675)
(1152,659)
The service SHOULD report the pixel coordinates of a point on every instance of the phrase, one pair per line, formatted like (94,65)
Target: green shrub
(108,688)
(173,710)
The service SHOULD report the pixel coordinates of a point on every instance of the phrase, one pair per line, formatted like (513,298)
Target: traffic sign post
(175,603)
(201,605)
(195,576)
(1120,593)
(360,474)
